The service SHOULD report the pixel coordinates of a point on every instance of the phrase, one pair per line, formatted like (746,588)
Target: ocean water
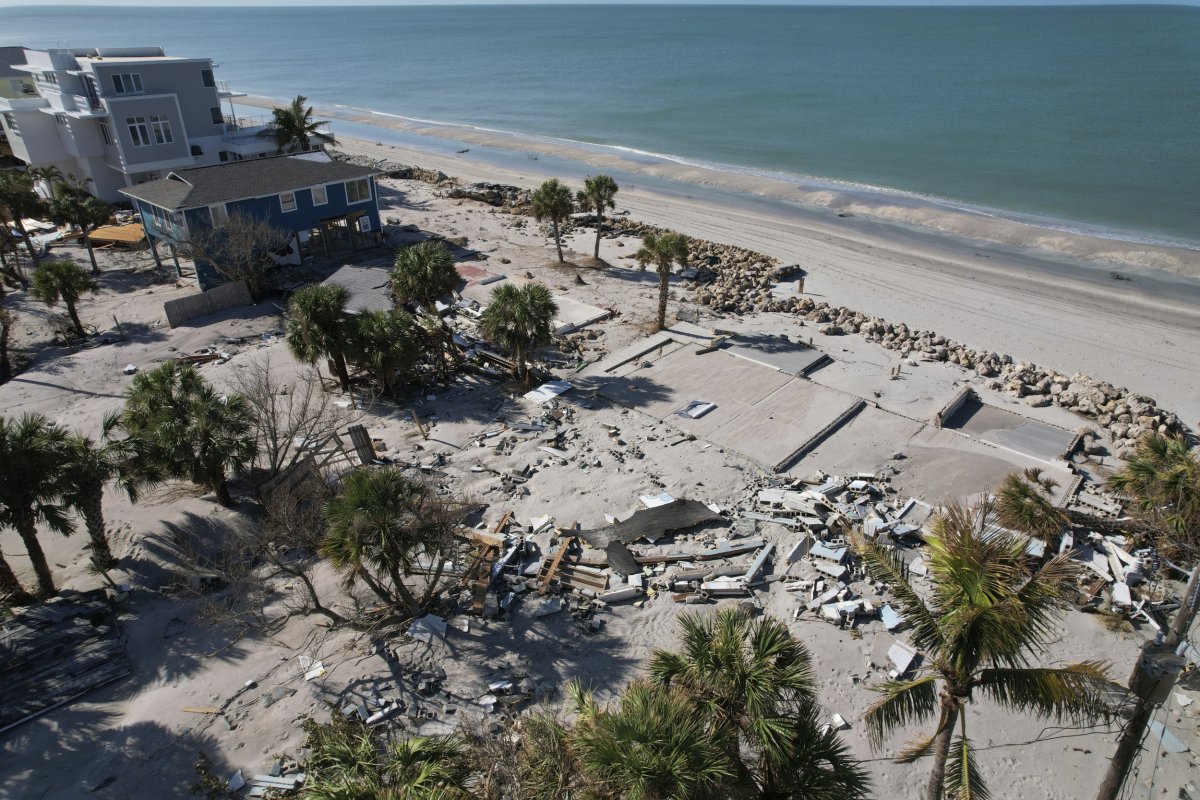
(1075,116)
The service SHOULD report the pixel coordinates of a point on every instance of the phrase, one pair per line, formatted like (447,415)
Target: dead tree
(290,416)
(240,249)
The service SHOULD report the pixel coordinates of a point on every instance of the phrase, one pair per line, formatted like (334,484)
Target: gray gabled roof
(368,287)
(223,183)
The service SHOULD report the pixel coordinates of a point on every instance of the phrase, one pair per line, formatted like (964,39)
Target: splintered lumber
(197,358)
(364,448)
(552,568)
(503,523)
(202,709)
(478,576)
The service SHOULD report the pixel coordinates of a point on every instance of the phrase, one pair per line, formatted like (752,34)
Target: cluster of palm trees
(52,473)
(390,344)
(732,714)
(552,202)
(174,425)
(67,201)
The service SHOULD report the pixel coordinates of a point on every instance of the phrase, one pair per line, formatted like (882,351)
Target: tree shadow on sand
(538,654)
(84,751)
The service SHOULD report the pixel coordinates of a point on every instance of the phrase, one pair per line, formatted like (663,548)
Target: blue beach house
(327,206)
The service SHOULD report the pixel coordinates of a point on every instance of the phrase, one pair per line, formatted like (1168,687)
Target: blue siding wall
(304,218)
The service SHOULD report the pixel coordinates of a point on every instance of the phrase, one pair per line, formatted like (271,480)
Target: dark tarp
(620,560)
(651,523)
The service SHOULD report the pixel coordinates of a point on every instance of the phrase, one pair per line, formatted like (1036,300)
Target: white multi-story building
(122,116)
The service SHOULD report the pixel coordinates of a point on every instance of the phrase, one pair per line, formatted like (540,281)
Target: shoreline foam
(1056,239)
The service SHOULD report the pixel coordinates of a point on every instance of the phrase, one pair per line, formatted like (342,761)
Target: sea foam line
(804,182)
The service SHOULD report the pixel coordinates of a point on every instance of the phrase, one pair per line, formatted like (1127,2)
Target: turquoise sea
(1078,117)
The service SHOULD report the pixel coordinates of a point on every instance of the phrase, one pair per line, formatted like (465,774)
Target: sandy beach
(1037,303)
(139,737)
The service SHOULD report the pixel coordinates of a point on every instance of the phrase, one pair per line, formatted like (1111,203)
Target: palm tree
(36,454)
(73,205)
(652,746)
(552,201)
(597,195)
(49,175)
(92,466)
(519,318)
(988,615)
(1024,503)
(294,129)
(385,344)
(63,280)
(19,201)
(380,525)
(423,274)
(753,682)
(1163,477)
(319,327)
(663,250)
(188,431)
(432,767)
(349,761)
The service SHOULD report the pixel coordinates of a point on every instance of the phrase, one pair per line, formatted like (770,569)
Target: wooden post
(175,258)
(154,251)
(420,427)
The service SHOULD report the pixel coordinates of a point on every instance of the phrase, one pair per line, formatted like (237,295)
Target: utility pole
(1153,677)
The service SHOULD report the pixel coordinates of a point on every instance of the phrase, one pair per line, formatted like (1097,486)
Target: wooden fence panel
(225,296)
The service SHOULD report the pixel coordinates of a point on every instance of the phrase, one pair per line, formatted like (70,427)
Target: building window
(10,122)
(224,156)
(320,195)
(207,76)
(50,77)
(127,82)
(287,201)
(106,132)
(217,117)
(218,214)
(358,191)
(141,128)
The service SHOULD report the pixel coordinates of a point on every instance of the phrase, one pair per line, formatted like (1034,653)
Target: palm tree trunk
(28,242)
(522,369)
(74,315)
(437,576)
(557,240)
(406,596)
(10,587)
(27,528)
(599,226)
(339,365)
(941,748)
(87,242)
(218,483)
(664,275)
(92,510)
(5,333)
